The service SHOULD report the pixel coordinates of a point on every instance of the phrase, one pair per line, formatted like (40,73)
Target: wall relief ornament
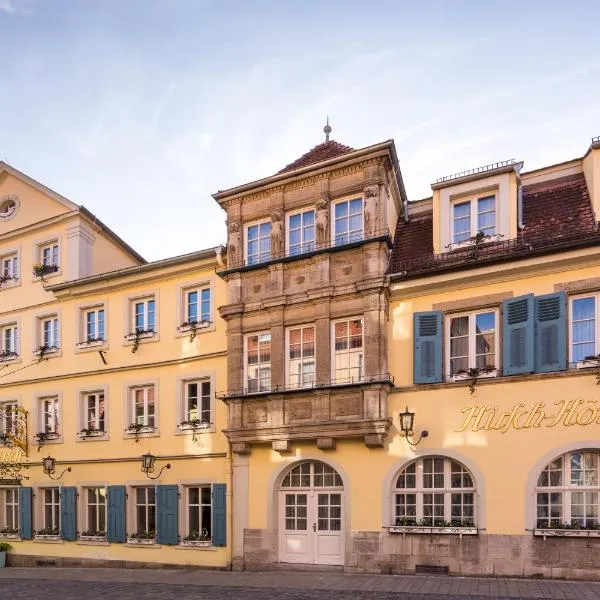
(277,233)
(322,207)
(234,244)
(371,195)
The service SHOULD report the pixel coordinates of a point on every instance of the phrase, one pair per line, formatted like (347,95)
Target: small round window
(8,207)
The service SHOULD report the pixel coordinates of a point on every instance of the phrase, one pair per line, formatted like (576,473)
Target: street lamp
(407,421)
(49,467)
(148,461)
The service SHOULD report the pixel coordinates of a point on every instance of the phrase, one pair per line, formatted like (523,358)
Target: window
(49,254)
(8,206)
(9,510)
(93,325)
(8,418)
(435,491)
(144,315)
(199,512)
(143,407)
(348,358)
(95,511)
(9,338)
(585,341)
(51,514)
(473,343)
(258,243)
(49,333)
(197,400)
(258,362)
(145,511)
(197,306)
(301,232)
(301,356)
(49,414)
(568,490)
(93,406)
(473,216)
(348,216)
(10,267)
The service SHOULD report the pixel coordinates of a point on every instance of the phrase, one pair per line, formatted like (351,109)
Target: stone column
(235,354)
(323,350)
(277,355)
(239,513)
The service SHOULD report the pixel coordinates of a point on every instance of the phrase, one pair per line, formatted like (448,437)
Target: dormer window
(469,217)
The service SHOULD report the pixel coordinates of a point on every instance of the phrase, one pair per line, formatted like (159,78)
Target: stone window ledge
(425,530)
(554,532)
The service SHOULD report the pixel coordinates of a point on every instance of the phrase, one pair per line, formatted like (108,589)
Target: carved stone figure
(276,233)
(234,244)
(371,194)
(321,221)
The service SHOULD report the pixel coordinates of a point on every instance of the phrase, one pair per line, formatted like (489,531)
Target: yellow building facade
(106,358)
(356,380)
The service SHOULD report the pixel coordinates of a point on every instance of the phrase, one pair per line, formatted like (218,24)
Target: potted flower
(9,533)
(93,536)
(4,548)
(589,361)
(197,539)
(142,538)
(42,270)
(48,533)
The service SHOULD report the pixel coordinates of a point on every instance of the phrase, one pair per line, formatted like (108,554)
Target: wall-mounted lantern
(407,421)
(49,467)
(148,461)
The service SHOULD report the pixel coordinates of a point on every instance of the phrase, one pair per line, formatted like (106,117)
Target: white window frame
(566,489)
(54,253)
(419,490)
(185,414)
(187,505)
(351,237)
(98,395)
(94,530)
(8,259)
(131,406)
(304,247)
(84,338)
(9,508)
(288,360)
(54,420)
(259,365)
(201,322)
(473,201)
(334,353)
(259,258)
(585,364)
(146,326)
(54,348)
(472,342)
(147,504)
(6,425)
(5,216)
(14,345)
(55,504)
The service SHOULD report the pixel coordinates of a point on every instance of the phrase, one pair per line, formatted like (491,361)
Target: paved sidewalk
(109,583)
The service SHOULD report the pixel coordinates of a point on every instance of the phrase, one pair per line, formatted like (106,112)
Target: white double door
(311,527)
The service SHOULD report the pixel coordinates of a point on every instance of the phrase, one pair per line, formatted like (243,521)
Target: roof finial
(327,130)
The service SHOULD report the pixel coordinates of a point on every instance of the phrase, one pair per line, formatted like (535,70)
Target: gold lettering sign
(479,417)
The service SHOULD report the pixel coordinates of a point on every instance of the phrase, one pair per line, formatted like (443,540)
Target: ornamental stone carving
(371,194)
(322,207)
(234,245)
(276,233)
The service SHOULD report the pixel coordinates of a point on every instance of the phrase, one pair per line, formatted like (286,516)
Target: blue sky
(140,109)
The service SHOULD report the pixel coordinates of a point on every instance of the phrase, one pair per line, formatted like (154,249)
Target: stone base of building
(32,560)
(475,555)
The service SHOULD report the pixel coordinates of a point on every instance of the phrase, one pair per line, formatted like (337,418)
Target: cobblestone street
(96,584)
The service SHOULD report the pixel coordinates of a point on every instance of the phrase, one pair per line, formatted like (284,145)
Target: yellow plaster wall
(591,170)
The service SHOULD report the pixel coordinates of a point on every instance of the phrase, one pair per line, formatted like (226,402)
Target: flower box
(426,530)
(92,538)
(468,377)
(47,537)
(187,327)
(557,532)
(90,343)
(45,350)
(10,536)
(8,355)
(91,433)
(192,426)
(140,335)
(196,543)
(42,270)
(136,430)
(141,541)
(588,363)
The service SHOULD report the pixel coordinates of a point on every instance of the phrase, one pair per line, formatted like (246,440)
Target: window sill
(51,353)
(91,346)
(132,543)
(201,327)
(14,358)
(425,530)
(588,364)
(467,377)
(143,339)
(10,283)
(470,242)
(566,533)
(48,539)
(10,536)
(90,542)
(192,545)
(142,433)
(47,276)
(101,437)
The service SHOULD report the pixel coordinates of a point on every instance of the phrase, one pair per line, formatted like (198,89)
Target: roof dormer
(476,206)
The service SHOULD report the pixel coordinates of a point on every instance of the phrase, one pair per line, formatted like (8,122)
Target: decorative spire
(327,130)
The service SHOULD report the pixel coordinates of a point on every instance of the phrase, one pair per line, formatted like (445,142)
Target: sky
(141,109)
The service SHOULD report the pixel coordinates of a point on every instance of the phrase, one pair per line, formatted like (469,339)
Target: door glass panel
(329,512)
(296,512)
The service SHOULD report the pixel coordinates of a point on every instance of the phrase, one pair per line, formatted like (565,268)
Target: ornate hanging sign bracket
(13,444)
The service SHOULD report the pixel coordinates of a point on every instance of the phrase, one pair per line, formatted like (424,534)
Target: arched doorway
(311,515)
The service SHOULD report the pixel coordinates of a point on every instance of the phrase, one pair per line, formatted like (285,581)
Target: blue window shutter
(167,503)
(115,531)
(68,513)
(427,350)
(219,514)
(25,521)
(551,332)
(518,335)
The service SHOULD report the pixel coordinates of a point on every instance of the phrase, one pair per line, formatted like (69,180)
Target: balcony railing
(477,170)
(491,252)
(311,249)
(385,378)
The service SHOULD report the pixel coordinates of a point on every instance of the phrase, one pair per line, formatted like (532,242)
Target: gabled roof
(324,151)
(557,215)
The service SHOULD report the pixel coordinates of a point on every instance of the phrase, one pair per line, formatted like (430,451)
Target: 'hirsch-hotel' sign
(479,417)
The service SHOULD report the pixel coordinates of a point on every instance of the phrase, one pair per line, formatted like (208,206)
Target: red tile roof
(557,214)
(324,151)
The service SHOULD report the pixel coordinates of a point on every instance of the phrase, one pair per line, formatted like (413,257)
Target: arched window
(567,492)
(435,491)
(312,474)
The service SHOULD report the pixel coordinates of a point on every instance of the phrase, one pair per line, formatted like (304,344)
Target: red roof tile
(556,214)
(324,151)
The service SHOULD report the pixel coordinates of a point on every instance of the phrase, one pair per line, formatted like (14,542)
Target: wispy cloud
(7,6)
